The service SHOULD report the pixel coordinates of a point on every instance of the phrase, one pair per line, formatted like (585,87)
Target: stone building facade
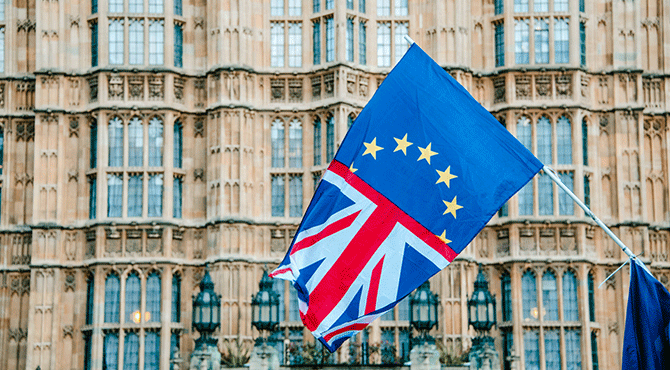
(145,139)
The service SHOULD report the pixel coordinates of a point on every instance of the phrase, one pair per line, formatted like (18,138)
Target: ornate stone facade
(72,223)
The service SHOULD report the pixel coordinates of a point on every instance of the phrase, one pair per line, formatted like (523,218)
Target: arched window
(112,294)
(564,140)
(585,141)
(155,195)
(330,138)
(176,298)
(570,304)
(350,120)
(114,194)
(295,144)
(155,142)
(317,141)
(552,349)
(153,298)
(506,288)
(152,351)
(177,143)
(544,140)
(135,143)
(131,350)
(132,312)
(115,142)
(90,299)
(545,195)
(135,192)
(549,296)
(111,351)
(529,289)
(573,352)
(523,133)
(93,153)
(592,300)
(277,143)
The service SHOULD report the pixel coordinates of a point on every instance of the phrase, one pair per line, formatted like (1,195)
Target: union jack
(357,257)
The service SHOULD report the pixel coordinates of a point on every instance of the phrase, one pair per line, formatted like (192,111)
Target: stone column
(424,357)
(264,357)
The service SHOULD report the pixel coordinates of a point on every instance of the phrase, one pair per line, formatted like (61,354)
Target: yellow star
(426,153)
(452,207)
(352,169)
(443,238)
(445,176)
(402,144)
(372,148)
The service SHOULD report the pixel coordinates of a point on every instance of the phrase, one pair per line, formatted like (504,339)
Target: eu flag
(419,174)
(645,342)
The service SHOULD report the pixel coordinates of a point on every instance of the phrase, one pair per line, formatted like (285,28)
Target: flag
(420,172)
(646,344)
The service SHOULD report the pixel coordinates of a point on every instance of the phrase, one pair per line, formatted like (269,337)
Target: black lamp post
(265,307)
(423,311)
(206,312)
(482,309)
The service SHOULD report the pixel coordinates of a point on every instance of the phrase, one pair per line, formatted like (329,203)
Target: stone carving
(522,84)
(316,87)
(136,87)
(295,90)
(177,242)
(70,281)
(156,88)
(68,330)
(134,241)
(73,175)
(115,87)
(568,244)
(200,92)
(564,86)
(93,89)
(70,246)
(543,86)
(199,22)
(2,95)
(499,93)
(18,334)
(25,95)
(113,245)
(90,244)
(74,127)
(199,128)
(585,86)
(503,242)
(25,25)
(199,174)
(351,83)
(277,87)
(363,86)
(179,89)
(329,84)
(25,130)
(197,246)
(277,243)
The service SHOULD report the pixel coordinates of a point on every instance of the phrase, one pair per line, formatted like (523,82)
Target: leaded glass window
(531,344)
(594,351)
(570,304)
(317,141)
(573,352)
(330,139)
(350,120)
(401,8)
(562,40)
(523,133)
(541,6)
(277,135)
(361,6)
(278,196)
(295,144)
(178,7)
(316,6)
(277,8)
(560,5)
(521,44)
(295,45)
(585,142)
(545,194)
(541,41)
(506,289)
(94,44)
(156,41)
(384,44)
(564,140)
(87,351)
(177,189)
(544,144)
(401,30)
(529,289)
(587,191)
(135,193)
(114,195)
(132,312)
(176,298)
(155,6)
(94,6)
(155,195)
(508,347)
(135,6)
(295,195)
(316,42)
(155,142)
(582,44)
(350,39)
(592,300)
(383,8)
(115,41)
(93,195)
(294,7)
(350,4)
(111,351)
(499,6)
(277,44)
(520,6)
(112,295)
(174,345)
(131,350)
(136,42)
(178,45)
(90,299)
(135,142)
(177,144)
(500,44)
(549,296)
(566,206)
(362,43)
(116,6)
(115,134)
(153,298)
(552,349)
(330,40)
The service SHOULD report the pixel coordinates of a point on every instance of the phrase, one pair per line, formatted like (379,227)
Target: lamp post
(423,311)
(206,318)
(482,317)
(265,318)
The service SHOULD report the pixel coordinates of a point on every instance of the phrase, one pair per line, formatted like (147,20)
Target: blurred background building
(143,139)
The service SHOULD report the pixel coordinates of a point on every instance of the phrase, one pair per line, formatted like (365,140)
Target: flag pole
(549,171)
(409,40)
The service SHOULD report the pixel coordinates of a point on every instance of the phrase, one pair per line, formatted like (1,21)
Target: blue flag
(421,171)
(645,343)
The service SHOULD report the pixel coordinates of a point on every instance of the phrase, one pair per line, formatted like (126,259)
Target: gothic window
(115,134)
(585,142)
(384,44)
(155,142)
(135,142)
(94,44)
(521,48)
(176,298)
(500,43)
(531,343)
(293,310)
(573,353)
(566,205)
(362,43)
(552,349)
(587,191)
(277,195)
(177,189)
(294,7)
(111,351)
(350,4)
(178,133)
(112,294)
(317,141)
(330,39)
(401,45)
(541,41)
(92,197)
(540,6)
(93,151)
(178,45)
(508,347)
(295,195)
(549,297)
(277,134)
(594,351)
(277,7)
(560,5)
(178,7)
(132,311)
(277,44)
(330,4)
(401,8)
(94,6)
(114,195)
(316,6)
(136,6)
(136,42)
(506,289)
(116,41)
(562,40)
(582,44)
(316,42)
(592,301)
(350,120)
(546,195)
(116,6)
(520,6)
(87,351)
(135,190)
(295,144)
(525,197)
(153,298)
(151,351)
(350,39)
(295,44)
(90,299)
(155,195)
(361,6)
(131,358)
(570,307)
(499,6)
(156,41)
(155,6)
(383,8)
(529,289)
(330,138)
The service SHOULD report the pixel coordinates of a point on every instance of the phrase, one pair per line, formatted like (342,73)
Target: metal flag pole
(409,40)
